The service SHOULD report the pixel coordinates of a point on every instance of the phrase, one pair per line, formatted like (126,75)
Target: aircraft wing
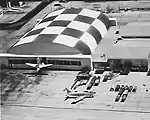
(115,76)
(45,65)
(78,99)
(14,8)
(31,64)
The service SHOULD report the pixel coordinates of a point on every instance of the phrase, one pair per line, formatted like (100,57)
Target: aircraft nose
(38,69)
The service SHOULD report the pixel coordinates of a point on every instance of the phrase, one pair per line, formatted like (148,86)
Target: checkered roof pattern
(77,28)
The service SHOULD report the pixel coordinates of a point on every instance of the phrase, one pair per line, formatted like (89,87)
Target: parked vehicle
(92,82)
(105,78)
(117,88)
(122,89)
(97,81)
(126,87)
(124,96)
(134,89)
(112,89)
(130,88)
(117,98)
(99,71)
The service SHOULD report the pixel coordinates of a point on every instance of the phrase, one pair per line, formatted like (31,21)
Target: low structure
(130,51)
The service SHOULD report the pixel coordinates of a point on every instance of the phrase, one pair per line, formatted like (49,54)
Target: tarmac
(46,101)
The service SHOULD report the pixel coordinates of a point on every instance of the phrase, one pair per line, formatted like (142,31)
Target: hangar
(65,38)
(74,38)
(129,48)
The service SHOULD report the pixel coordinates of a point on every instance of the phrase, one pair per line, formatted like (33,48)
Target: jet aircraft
(78,96)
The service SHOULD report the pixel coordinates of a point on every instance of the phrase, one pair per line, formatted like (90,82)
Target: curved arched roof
(66,31)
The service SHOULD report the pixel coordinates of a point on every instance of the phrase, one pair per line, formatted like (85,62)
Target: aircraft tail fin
(66,89)
(66,98)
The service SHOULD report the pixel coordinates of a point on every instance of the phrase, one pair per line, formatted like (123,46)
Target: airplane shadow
(35,73)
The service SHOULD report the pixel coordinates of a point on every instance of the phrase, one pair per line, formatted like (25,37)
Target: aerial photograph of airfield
(75,59)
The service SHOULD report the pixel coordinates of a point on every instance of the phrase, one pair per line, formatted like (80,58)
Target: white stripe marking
(47,56)
(42,25)
(89,13)
(100,26)
(66,40)
(89,40)
(26,40)
(54,13)
(52,30)
(69,17)
(78,25)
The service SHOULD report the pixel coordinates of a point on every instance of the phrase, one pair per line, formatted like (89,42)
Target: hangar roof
(134,45)
(136,29)
(66,31)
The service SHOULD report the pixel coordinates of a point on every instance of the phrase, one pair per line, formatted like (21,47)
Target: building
(129,48)
(74,38)
(65,38)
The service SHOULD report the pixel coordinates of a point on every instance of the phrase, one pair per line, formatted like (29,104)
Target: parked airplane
(39,65)
(1,12)
(10,8)
(78,96)
(13,9)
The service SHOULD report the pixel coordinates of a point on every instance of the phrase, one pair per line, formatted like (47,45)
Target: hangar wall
(3,62)
(135,65)
(148,61)
(58,63)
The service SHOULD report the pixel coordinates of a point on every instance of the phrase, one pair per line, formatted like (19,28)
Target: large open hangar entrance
(135,65)
(125,48)
(58,63)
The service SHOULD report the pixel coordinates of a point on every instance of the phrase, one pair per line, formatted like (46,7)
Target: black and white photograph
(75,59)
